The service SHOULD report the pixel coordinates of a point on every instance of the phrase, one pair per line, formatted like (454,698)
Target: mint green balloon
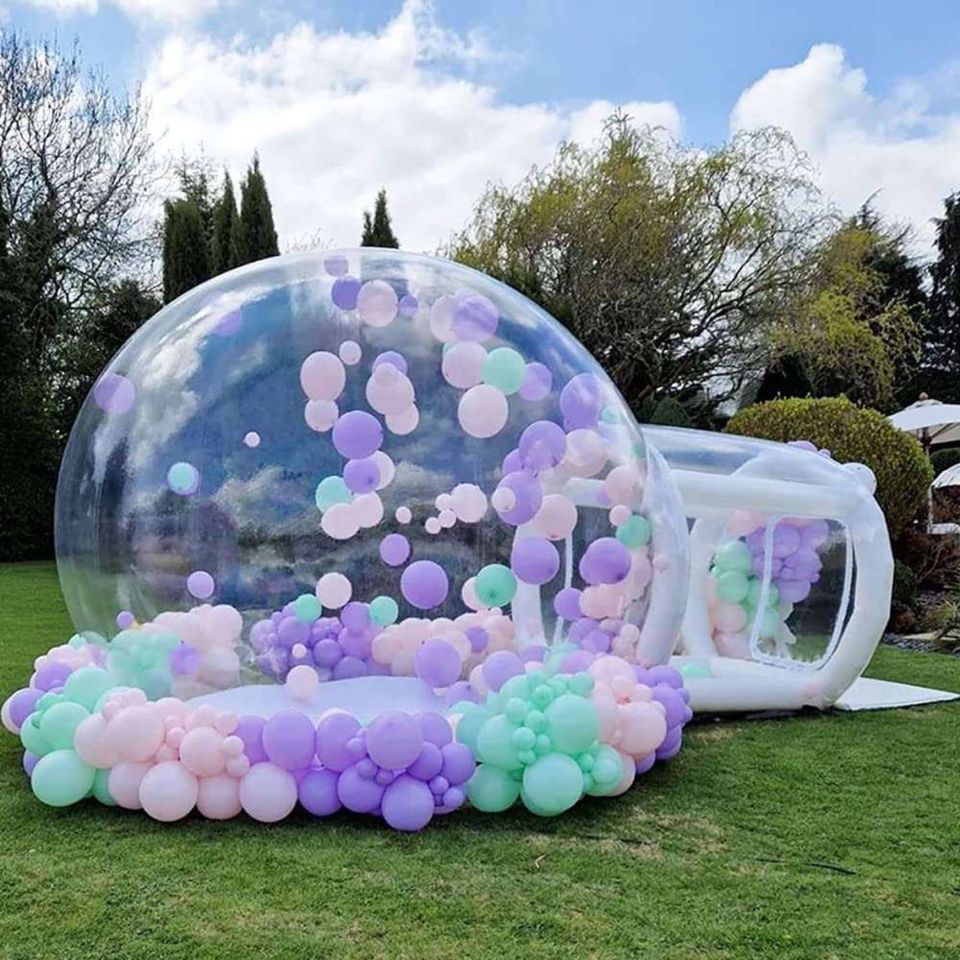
(572,723)
(31,737)
(384,611)
(693,670)
(495,743)
(470,723)
(331,490)
(495,585)
(551,785)
(769,624)
(753,596)
(59,722)
(61,778)
(732,586)
(101,788)
(87,685)
(306,608)
(154,683)
(504,369)
(491,789)
(734,555)
(606,772)
(634,532)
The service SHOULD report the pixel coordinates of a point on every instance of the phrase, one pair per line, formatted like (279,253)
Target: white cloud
(900,145)
(336,115)
(166,11)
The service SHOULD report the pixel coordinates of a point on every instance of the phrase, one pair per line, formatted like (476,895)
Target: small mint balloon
(491,789)
(384,611)
(331,490)
(634,532)
(504,369)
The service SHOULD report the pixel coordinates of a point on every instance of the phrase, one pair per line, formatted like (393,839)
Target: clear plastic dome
(331,459)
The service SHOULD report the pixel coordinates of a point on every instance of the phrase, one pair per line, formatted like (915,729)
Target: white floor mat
(868,694)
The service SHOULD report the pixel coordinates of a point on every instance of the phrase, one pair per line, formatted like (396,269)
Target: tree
(225,247)
(669,264)
(75,169)
(258,238)
(377,231)
(940,363)
(186,260)
(850,330)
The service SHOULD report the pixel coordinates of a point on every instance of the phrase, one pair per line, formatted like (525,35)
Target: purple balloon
(511,463)
(458,763)
(336,264)
(499,667)
(407,804)
(428,764)
(394,740)
(327,652)
(289,740)
(786,540)
(815,534)
(606,560)
(250,730)
(534,653)
(344,292)
(438,663)
(124,619)
(184,659)
(357,793)
(535,560)
(356,644)
(537,382)
(664,674)
(424,584)
(361,476)
(581,629)
(478,637)
(51,675)
(355,616)
(567,603)
(528,496)
(577,661)
(598,641)
(671,744)
(317,792)
(407,307)
(357,435)
(462,691)
(435,728)
(475,317)
(23,703)
(395,359)
(793,591)
(394,549)
(30,760)
(542,445)
(114,393)
(292,630)
(581,401)
(645,763)
(334,732)
(348,668)
(672,703)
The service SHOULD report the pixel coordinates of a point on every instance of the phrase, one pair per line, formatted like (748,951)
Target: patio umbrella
(930,421)
(949,478)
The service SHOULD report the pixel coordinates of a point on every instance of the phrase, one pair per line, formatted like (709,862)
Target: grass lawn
(817,837)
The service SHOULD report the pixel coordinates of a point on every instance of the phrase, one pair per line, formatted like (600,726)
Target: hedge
(850,433)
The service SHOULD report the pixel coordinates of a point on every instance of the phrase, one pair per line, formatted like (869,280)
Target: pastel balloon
(462,365)
(168,791)
(322,376)
(483,411)
(218,798)
(268,793)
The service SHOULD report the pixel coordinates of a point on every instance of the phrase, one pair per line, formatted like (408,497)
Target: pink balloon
(643,727)
(556,517)
(124,783)
(468,501)
(322,376)
(605,705)
(168,791)
(367,509)
(218,798)
(741,523)
(462,364)
(441,317)
(334,590)
(483,411)
(403,422)
(623,485)
(91,745)
(389,391)
(135,733)
(268,793)
(201,752)
(608,669)
(302,682)
(629,775)
(386,467)
(377,303)
(320,415)
(729,617)
(340,522)
(350,352)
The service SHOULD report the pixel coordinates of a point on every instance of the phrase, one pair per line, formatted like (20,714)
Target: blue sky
(875,80)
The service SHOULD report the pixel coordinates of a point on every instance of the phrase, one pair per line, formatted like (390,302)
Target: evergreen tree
(186,258)
(258,238)
(377,231)
(225,248)
(195,175)
(940,369)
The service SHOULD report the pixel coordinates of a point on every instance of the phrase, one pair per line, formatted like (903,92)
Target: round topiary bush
(944,459)
(850,433)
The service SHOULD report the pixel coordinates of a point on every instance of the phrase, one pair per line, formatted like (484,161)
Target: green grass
(815,837)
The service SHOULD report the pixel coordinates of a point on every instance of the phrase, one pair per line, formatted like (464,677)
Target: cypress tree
(258,238)
(940,366)
(225,250)
(186,258)
(377,231)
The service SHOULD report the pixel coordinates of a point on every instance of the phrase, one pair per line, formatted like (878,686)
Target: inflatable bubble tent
(370,530)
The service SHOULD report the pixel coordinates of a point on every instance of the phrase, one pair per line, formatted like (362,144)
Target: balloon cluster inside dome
(355,467)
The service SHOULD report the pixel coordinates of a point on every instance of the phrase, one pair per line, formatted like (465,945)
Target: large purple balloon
(535,560)
(289,739)
(394,740)
(527,494)
(424,584)
(606,560)
(334,732)
(438,663)
(542,445)
(581,401)
(357,435)
(317,792)
(407,804)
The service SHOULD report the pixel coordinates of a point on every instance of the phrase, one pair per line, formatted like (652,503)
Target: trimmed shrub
(670,412)
(850,433)
(942,459)
(904,584)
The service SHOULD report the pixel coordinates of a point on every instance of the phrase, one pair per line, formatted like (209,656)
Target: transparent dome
(334,459)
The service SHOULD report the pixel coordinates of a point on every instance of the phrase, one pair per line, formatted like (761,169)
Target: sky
(433,100)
